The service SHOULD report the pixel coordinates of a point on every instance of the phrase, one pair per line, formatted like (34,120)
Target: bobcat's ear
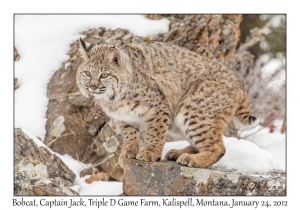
(113,56)
(84,48)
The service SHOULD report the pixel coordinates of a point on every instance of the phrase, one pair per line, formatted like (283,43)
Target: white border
(153,6)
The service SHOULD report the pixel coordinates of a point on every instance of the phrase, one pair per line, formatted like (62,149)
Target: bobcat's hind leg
(130,143)
(206,138)
(204,129)
(174,153)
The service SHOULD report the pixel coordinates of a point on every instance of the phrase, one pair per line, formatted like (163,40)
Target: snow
(274,143)
(259,153)
(245,156)
(43,41)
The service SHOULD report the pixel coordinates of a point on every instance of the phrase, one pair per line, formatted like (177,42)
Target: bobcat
(167,89)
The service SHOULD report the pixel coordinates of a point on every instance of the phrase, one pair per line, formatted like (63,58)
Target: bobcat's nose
(93,87)
(94,84)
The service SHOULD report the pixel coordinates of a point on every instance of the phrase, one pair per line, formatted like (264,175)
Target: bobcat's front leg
(157,126)
(130,143)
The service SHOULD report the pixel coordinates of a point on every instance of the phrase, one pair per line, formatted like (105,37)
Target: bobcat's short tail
(242,118)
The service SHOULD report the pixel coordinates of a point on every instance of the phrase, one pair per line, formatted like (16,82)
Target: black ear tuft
(84,47)
(82,43)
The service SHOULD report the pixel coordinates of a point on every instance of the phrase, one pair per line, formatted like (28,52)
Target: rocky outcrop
(37,171)
(214,36)
(171,179)
(78,127)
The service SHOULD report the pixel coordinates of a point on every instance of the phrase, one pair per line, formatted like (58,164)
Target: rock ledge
(171,179)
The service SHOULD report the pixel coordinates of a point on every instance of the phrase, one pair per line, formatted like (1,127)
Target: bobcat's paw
(188,160)
(124,155)
(148,156)
(173,154)
(200,160)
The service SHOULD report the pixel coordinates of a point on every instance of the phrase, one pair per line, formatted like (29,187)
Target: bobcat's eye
(87,73)
(104,75)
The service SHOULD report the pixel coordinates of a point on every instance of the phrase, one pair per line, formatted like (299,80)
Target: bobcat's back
(177,71)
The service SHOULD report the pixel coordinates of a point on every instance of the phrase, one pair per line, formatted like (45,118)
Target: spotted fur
(166,88)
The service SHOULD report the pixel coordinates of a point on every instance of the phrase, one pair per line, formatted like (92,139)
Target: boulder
(37,171)
(167,178)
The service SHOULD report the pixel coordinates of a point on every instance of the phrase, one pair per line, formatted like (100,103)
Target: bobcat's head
(104,72)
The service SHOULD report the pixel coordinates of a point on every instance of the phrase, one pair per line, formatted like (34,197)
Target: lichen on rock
(111,144)
(172,179)
(39,172)
(59,127)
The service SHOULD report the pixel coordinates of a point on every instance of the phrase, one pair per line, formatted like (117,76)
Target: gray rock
(171,179)
(39,172)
